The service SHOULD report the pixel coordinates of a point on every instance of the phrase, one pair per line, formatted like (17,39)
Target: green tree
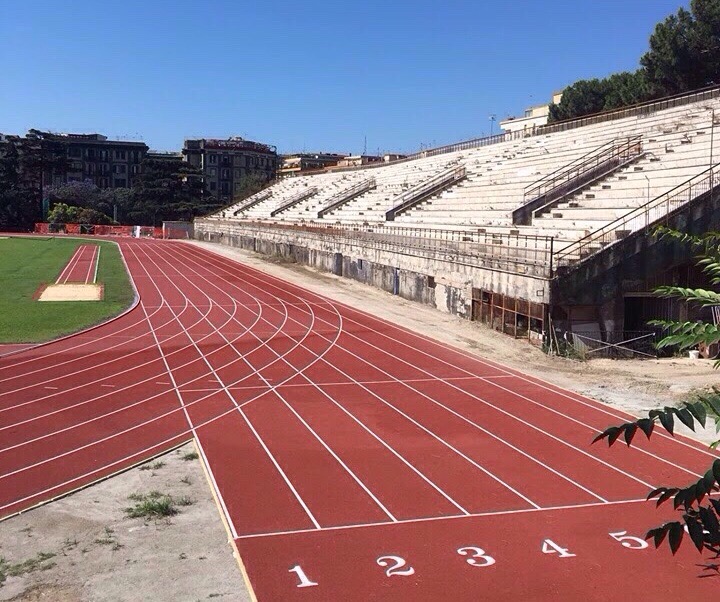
(671,62)
(27,165)
(249,185)
(166,190)
(584,97)
(700,513)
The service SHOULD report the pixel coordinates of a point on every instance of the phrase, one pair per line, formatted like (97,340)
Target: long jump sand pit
(71,292)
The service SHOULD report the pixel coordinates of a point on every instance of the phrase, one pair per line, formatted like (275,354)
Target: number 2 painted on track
(304,581)
(395,569)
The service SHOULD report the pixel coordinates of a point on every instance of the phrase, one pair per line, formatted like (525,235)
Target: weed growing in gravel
(38,563)
(155,505)
(190,456)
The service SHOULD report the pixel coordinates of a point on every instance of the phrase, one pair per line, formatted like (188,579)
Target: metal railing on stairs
(294,200)
(643,217)
(425,189)
(581,172)
(254,200)
(346,195)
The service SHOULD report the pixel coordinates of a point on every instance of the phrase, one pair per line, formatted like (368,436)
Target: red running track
(352,459)
(82,266)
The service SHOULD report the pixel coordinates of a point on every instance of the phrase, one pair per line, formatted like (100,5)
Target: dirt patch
(71,292)
(631,385)
(86,548)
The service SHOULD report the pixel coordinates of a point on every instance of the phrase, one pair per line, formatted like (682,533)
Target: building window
(225,187)
(135,169)
(90,168)
(225,174)
(119,183)
(75,151)
(103,155)
(104,168)
(212,172)
(238,174)
(213,186)
(120,155)
(212,158)
(90,153)
(120,168)
(226,160)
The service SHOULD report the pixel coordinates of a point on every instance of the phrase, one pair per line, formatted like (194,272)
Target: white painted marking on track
(444,518)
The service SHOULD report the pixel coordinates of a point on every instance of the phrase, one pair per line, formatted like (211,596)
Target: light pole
(648,188)
(492,123)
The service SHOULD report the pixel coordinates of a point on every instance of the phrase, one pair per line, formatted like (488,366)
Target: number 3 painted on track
(476,553)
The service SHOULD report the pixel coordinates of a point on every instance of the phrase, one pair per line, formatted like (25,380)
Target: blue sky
(304,75)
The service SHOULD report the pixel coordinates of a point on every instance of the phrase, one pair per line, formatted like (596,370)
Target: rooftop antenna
(365,146)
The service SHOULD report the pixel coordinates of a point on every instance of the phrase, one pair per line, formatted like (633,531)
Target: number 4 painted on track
(550,547)
(304,581)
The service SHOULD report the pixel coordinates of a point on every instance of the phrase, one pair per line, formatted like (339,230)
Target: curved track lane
(351,459)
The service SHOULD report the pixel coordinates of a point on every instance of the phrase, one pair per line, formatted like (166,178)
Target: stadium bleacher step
(589,196)
(606,186)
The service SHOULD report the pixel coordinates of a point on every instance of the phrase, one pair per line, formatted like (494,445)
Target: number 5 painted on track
(304,581)
(629,541)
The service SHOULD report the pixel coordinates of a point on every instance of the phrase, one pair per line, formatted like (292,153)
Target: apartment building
(225,163)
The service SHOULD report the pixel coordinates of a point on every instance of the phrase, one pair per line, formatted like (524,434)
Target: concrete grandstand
(521,230)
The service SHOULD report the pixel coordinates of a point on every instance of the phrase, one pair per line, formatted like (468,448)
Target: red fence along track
(352,459)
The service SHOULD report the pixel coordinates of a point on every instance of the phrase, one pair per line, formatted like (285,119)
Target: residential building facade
(225,163)
(298,163)
(105,163)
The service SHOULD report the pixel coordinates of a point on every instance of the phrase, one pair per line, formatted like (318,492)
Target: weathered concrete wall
(602,279)
(434,280)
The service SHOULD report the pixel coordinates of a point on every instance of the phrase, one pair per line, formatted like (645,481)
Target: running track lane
(352,459)
(82,266)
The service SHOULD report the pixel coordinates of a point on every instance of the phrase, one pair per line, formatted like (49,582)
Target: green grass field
(27,263)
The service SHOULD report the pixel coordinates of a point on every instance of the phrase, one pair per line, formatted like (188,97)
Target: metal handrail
(294,200)
(641,217)
(515,253)
(644,108)
(253,200)
(347,194)
(409,197)
(618,148)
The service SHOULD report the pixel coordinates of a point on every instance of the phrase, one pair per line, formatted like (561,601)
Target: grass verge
(29,263)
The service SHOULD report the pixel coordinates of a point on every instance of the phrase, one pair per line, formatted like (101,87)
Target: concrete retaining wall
(433,280)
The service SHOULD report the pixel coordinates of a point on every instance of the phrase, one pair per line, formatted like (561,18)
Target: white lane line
(449,445)
(272,458)
(430,519)
(97,264)
(269,280)
(422,427)
(509,373)
(339,331)
(70,265)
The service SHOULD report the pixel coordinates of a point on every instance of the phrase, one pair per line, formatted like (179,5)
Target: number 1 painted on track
(304,581)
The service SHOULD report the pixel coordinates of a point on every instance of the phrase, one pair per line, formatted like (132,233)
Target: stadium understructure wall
(432,280)
(597,290)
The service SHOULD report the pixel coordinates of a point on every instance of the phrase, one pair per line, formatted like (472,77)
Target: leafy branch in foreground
(701,522)
(700,512)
